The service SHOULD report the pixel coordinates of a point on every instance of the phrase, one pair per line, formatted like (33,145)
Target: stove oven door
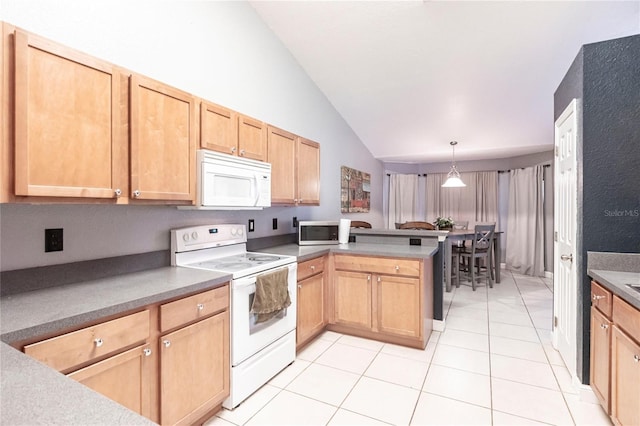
(247,337)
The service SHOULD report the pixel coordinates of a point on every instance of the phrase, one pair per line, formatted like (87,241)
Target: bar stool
(481,249)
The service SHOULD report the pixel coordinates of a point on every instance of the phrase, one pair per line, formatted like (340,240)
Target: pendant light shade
(453,178)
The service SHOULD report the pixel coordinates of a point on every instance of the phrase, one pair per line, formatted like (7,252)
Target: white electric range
(258,351)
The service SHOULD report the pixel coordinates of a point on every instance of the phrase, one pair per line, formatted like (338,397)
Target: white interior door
(565,224)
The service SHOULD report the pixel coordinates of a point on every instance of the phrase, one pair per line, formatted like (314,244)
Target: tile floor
(493,364)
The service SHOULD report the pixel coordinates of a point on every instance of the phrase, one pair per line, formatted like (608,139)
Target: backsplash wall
(220,51)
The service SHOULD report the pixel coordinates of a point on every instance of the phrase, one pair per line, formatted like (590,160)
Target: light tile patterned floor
(493,364)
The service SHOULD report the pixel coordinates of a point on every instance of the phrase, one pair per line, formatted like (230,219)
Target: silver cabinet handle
(368,277)
(136,193)
(604,326)
(313,268)
(146,352)
(379,279)
(117,192)
(636,358)
(299,287)
(98,342)
(242,152)
(166,343)
(397,268)
(597,297)
(568,257)
(233,149)
(200,306)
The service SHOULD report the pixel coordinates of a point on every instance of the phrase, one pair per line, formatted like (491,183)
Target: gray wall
(605,79)
(220,51)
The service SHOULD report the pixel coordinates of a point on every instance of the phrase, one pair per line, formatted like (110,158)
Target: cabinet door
(194,369)
(353,299)
(252,138)
(124,378)
(281,153)
(218,128)
(398,305)
(67,122)
(310,308)
(600,357)
(308,173)
(163,142)
(625,379)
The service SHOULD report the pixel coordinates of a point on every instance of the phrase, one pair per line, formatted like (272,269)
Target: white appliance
(227,182)
(258,351)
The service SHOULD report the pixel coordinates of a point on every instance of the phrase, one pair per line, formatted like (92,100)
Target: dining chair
(360,224)
(418,225)
(481,249)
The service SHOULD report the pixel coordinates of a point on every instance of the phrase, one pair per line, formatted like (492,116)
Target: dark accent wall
(605,78)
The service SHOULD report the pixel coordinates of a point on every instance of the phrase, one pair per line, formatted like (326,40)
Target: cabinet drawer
(310,267)
(601,298)
(191,308)
(72,349)
(626,317)
(378,265)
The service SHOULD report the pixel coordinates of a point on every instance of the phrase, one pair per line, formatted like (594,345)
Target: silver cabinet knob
(146,352)
(242,152)
(166,343)
(299,287)
(597,297)
(233,149)
(379,279)
(313,268)
(397,268)
(200,306)
(368,277)
(98,342)
(636,358)
(136,193)
(117,192)
(604,326)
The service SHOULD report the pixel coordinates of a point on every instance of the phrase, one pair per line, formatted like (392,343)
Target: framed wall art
(355,194)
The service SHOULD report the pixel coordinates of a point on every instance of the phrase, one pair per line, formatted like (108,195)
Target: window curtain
(403,199)
(477,202)
(525,222)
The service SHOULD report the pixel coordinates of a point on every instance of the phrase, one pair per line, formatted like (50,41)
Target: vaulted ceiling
(410,76)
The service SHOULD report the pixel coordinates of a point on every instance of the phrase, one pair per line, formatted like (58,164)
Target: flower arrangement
(444,222)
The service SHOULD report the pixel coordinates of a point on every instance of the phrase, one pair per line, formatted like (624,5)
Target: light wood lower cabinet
(311,318)
(123,378)
(194,370)
(169,363)
(625,379)
(600,356)
(384,298)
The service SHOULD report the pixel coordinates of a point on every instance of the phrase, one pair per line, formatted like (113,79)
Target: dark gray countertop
(390,250)
(32,393)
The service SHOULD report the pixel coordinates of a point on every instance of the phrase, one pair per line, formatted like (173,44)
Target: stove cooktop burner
(237,262)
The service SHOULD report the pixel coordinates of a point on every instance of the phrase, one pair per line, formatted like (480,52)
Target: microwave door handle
(255,187)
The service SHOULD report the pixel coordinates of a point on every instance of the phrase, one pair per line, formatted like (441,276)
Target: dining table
(463,235)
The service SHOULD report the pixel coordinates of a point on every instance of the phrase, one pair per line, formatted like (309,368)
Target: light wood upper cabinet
(218,128)
(308,172)
(281,153)
(67,122)
(163,142)
(295,168)
(228,132)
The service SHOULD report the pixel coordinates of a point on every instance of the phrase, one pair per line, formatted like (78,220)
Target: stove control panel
(206,236)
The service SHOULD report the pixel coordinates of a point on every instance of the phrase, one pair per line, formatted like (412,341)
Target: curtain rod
(389,174)
(521,168)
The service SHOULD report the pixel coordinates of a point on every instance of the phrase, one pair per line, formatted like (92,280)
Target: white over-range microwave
(226,182)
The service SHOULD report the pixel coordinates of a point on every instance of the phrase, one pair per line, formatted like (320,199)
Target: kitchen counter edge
(303,253)
(615,281)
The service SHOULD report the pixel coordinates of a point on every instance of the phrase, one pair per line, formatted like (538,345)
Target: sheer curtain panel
(403,199)
(525,222)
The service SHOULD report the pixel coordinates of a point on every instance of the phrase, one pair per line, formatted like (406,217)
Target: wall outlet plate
(275,223)
(252,225)
(295,222)
(53,239)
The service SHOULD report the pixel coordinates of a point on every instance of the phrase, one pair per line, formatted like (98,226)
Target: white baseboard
(438,325)
(548,274)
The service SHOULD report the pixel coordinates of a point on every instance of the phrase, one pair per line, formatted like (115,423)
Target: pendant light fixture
(453,178)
